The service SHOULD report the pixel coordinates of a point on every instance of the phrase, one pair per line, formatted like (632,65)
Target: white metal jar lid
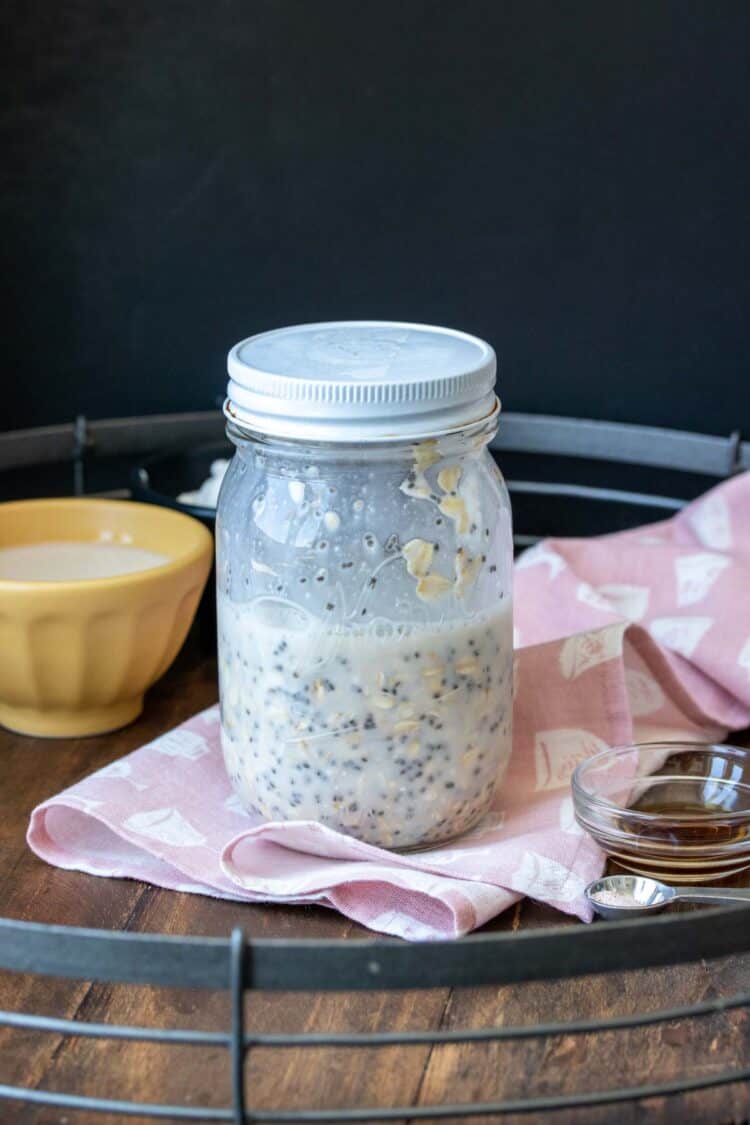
(360,381)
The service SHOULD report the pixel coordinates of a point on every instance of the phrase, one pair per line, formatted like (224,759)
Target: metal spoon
(640,895)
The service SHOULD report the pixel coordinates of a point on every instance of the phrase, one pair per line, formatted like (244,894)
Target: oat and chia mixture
(395,736)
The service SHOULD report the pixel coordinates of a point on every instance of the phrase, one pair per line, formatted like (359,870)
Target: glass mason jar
(364,567)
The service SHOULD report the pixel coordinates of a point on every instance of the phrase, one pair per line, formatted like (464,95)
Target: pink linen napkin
(644,634)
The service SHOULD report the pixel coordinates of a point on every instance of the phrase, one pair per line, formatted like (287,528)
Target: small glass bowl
(675,811)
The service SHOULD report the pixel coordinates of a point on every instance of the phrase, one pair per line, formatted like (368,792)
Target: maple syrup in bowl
(675,811)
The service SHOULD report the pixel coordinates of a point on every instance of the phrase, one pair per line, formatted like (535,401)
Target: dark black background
(568,180)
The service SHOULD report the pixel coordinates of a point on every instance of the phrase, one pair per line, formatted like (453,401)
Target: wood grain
(289,1078)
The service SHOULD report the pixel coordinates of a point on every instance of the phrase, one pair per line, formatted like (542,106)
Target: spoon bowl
(633,896)
(615,896)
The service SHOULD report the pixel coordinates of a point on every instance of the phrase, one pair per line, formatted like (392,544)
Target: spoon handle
(713,894)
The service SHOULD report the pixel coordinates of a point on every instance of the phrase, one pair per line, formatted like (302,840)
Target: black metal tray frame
(236,965)
(239,966)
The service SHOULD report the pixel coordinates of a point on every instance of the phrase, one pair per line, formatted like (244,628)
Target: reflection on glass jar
(364,597)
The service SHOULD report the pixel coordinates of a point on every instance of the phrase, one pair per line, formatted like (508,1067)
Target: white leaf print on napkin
(629,601)
(711,522)
(211,717)
(568,822)
(234,804)
(558,752)
(542,555)
(122,772)
(696,575)
(644,694)
(546,879)
(681,634)
(744,657)
(167,825)
(397,922)
(587,595)
(85,804)
(181,744)
(585,650)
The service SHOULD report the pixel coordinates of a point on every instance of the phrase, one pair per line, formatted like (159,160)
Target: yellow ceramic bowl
(77,656)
